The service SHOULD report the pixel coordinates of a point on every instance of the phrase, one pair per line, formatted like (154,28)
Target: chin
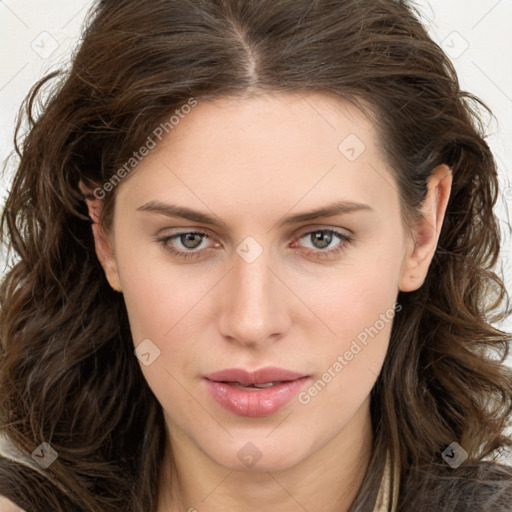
(251,460)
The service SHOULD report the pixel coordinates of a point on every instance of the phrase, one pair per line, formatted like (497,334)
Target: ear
(426,231)
(102,242)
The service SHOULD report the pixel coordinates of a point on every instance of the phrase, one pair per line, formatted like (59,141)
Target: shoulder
(8,506)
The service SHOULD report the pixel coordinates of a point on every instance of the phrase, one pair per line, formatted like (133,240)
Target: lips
(262,376)
(258,393)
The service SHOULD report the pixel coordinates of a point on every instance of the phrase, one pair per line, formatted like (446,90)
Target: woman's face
(262,287)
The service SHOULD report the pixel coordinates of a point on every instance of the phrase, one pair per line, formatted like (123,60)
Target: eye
(188,243)
(334,241)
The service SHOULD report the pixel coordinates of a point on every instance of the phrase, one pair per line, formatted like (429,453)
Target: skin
(250,162)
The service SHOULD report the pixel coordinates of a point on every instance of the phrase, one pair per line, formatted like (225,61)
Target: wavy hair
(68,375)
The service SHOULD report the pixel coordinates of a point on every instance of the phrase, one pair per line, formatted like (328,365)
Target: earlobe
(102,242)
(424,236)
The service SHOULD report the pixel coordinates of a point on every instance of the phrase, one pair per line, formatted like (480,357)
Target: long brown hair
(68,375)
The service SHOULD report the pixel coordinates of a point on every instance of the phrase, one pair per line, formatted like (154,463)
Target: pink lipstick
(258,393)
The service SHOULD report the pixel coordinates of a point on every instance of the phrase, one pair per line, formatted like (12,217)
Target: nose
(254,303)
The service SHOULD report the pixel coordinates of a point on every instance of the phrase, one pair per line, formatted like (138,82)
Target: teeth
(265,385)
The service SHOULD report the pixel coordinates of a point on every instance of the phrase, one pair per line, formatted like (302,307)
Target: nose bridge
(254,307)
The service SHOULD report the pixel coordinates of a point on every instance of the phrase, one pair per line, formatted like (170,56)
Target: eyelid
(304,230)
(321,227)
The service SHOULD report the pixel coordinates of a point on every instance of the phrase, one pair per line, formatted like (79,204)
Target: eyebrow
(172,210)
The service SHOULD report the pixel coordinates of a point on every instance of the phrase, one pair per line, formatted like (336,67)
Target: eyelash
(344,241)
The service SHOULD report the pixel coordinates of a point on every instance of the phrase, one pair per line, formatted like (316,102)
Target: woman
(255,251)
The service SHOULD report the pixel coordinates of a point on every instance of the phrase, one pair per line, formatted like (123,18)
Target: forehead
(279,149)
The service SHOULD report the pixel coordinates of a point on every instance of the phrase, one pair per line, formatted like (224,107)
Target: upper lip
(261,376)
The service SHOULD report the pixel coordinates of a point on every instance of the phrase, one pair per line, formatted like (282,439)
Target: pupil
(323,237)
(188,240)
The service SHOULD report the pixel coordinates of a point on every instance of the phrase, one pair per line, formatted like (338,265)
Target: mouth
(258,393)
(264,377)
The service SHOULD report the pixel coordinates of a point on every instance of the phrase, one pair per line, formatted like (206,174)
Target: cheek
(358,303)
(160,305)
(157,293)
(150,314)
(353,296)
(165,305)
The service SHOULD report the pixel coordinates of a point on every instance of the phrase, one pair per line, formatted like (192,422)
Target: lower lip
(254,401)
